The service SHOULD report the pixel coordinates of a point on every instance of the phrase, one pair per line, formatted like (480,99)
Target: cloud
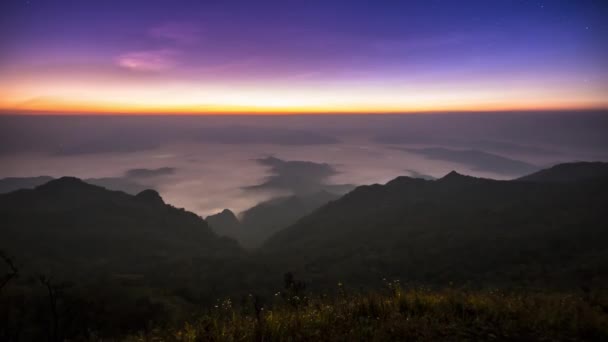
(478,160)
(240,134)
(180,33)
(133,181)
(299,177)
(149,60)
(147,173)
(416,174)
(173,36)
(68,136)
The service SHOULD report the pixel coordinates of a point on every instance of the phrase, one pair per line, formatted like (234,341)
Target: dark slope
(267,218)
(569,172)
(457,228)
(69,225)
(224,223)
(263,220)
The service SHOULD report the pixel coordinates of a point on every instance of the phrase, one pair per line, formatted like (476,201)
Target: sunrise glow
(193,62)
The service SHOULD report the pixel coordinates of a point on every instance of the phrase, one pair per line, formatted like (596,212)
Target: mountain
(121,263)
(10,184)
(457,228)
(569,172)
(118,184)
(476,159)
(67,225)
(124,184)
(224,223)
(266,218)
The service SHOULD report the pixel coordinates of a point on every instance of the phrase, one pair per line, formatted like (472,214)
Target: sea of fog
(208,163)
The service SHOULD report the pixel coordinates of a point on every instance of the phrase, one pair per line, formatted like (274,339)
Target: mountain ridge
(569,172)
(67,216)
(487,226)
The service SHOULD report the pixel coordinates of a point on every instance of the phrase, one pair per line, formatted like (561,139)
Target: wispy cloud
(430,42)
(174,38)
(149,60)
(180,33)
(149,173)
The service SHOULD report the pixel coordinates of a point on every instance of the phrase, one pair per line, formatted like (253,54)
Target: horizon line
(300,113)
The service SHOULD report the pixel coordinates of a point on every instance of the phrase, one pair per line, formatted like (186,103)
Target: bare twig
(47,282)
(13,271)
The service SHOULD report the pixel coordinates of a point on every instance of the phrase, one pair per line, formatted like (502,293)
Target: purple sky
(301,56)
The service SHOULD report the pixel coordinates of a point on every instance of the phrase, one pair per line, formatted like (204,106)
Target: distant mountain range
(10,184)
(111,183)
(569,172)
(548,227)
(476,160)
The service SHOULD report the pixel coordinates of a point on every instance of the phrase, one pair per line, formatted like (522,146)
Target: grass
(399,314)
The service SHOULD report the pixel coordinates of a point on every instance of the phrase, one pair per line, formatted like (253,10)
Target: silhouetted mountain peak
(403,180)
(225,214)
(112,228)
(66,184)
(150,196)
(224,223)
(453,175)
(569,172)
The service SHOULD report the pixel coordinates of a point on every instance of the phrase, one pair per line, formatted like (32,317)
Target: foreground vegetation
(400,314)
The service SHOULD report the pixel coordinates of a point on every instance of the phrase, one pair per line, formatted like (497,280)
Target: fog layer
(206,164)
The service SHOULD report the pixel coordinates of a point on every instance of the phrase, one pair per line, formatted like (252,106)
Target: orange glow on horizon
(119,94)
(84,109)
(432,103)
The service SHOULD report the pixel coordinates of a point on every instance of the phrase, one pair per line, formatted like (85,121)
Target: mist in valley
(207,164)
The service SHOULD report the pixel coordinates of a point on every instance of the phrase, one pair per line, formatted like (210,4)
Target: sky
(296,56)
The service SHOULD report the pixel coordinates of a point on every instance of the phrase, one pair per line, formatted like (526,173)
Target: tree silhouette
(12,273)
